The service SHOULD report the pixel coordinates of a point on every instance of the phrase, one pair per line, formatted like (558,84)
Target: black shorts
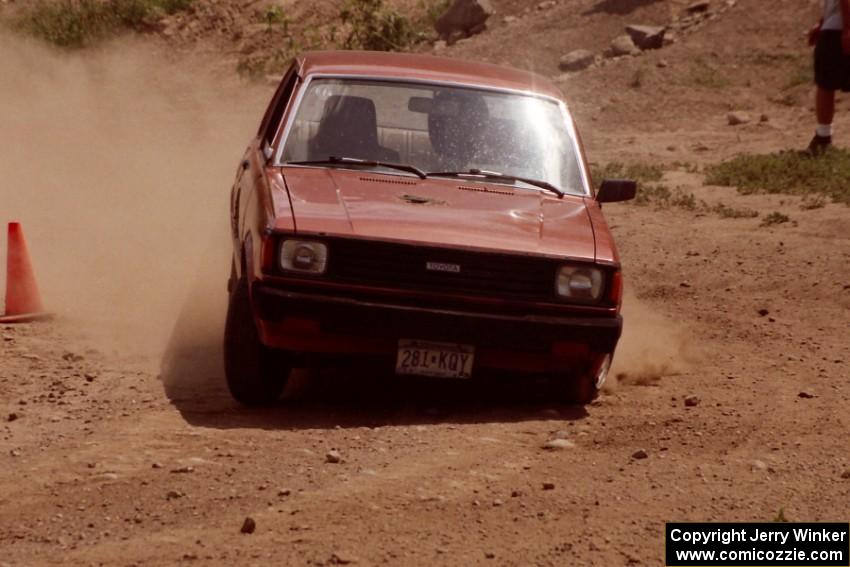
(832,66)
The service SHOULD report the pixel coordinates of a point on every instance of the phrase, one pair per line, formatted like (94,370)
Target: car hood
(436,211)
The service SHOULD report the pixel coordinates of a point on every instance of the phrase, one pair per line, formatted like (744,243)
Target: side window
(271,120)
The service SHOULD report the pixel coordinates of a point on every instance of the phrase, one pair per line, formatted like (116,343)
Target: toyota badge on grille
(442,267)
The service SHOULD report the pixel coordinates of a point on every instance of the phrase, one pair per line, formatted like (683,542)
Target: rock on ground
(738,117)
(333,456)
(467,17)
(698,7)
(576,60)
(558,445)
(248,526)
(647,37)
(623,45)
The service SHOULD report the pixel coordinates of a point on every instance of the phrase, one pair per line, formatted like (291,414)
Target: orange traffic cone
(23,302)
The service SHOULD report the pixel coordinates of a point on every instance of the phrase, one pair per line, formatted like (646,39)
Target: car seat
(456,127)
(349,128)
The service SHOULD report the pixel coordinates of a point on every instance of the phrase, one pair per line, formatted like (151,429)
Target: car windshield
(435,128)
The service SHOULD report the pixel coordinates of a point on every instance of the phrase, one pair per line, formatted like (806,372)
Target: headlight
(580,282)
(304,256)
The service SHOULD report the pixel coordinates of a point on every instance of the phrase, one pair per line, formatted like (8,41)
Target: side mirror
(616,190)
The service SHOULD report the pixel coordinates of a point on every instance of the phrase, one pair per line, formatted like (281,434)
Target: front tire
(583,388)
(575,390)
(256,374)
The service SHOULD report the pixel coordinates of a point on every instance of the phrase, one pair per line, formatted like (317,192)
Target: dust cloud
(652,346)
(119,163)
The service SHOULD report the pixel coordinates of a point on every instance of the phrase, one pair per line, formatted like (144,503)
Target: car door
(250,175)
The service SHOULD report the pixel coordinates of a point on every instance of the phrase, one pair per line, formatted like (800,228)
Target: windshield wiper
(496,175)
(334,160)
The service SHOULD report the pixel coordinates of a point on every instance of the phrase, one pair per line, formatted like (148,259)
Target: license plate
(440,360)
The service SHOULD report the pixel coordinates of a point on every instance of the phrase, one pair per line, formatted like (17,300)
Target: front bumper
(307,323)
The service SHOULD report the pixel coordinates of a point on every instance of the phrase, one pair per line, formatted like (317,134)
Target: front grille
(404,266)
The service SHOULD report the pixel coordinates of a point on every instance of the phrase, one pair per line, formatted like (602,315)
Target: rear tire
(256,374)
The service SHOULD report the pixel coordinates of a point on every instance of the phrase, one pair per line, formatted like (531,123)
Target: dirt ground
(120,446)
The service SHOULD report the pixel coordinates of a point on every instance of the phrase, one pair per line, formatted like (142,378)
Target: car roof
(423,68)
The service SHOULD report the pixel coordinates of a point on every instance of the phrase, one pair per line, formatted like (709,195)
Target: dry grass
(795,173)
(80,23)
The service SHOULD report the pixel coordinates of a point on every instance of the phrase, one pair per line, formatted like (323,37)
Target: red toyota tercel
(430,215)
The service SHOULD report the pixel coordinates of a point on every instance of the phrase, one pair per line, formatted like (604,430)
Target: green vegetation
(771,58)
(775,218)
(373,26)
(261,64)
(811,202)
(432,10)
(650,192)
(258,66)
(686,201)
(662,197)
(79,23)
(275,15)
(361,24)
(704,75)
(727,212)
(640,172)
(780,517)
(647,176)
(795,173)
(798,65)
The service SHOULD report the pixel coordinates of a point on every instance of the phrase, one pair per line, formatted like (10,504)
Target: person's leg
(825,108)
(824,113)
(828,71)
